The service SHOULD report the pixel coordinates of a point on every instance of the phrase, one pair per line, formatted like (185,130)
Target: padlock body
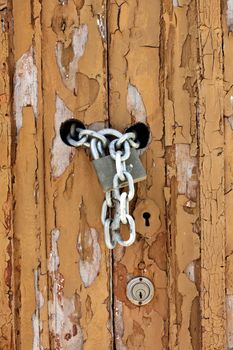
(105,168)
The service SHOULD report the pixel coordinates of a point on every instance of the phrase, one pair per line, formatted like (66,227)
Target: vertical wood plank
(74,85)
(227,22)
(30,268)
(181,192)
(134,95)
(7,336)
(212,175)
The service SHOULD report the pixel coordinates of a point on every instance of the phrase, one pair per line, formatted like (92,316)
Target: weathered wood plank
(74,85)
(134,67)
(29,221)
(181,192)
(212,175)
(227,25)
(7,336)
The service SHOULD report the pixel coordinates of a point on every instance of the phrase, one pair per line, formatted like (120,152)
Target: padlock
(105,168)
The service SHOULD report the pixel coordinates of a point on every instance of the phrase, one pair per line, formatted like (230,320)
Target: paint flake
(186,171)
(79,40)
(54,257)
(36,323)
(190,271)
(64,319)
(89,267)
(135,104)
(230,15)
(62,154)
(119,325)
(101,24)
(229,311)
(25,86)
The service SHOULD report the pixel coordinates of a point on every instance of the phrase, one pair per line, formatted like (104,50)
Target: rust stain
(64,316)
(119,325)
(36,323)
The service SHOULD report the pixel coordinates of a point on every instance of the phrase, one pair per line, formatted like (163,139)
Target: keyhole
(140,295)
(63,25)
(147,216)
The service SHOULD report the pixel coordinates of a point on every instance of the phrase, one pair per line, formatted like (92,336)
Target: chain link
(115,208)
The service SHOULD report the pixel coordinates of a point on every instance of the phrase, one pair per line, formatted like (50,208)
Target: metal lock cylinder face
(140,291)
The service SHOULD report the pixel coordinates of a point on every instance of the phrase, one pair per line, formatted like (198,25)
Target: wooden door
(167,64)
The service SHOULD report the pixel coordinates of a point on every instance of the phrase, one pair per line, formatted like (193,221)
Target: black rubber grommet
(142,132)
(65,130)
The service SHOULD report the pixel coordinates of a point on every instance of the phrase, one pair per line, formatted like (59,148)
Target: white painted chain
(115,209)
(119,150)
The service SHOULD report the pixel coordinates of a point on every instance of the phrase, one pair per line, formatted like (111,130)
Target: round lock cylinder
(140,290)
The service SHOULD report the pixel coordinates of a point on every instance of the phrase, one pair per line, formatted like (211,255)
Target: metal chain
(119,150)
(115,209)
